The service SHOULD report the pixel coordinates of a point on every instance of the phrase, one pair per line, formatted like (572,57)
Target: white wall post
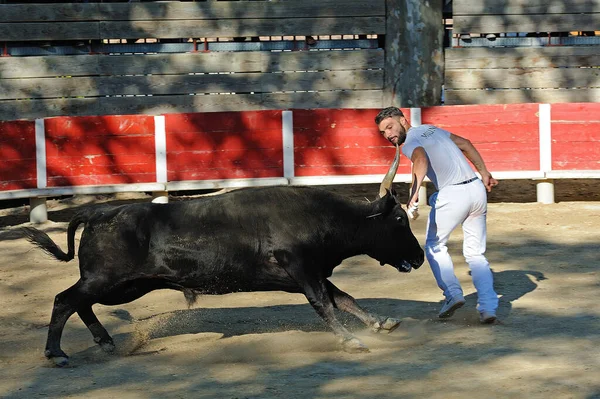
(545,191)
(545,188)
(160,197)
(423,195)
(287,131)
(38,212)
(160,140)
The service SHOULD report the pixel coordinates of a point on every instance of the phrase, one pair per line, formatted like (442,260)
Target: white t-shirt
(447,164)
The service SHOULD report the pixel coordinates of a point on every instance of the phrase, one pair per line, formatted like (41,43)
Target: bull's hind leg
(347,303)
(80,298)
(65,304)
(316,292)
(101,336)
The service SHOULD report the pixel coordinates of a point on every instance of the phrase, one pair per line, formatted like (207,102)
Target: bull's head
(395,242)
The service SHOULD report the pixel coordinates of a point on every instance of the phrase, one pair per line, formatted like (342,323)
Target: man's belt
(466,181)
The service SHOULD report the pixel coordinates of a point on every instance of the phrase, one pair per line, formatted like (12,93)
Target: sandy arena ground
(273,345)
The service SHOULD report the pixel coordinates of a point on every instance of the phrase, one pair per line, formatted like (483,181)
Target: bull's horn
(386,184)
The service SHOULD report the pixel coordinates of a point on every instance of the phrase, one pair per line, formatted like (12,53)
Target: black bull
(259,239)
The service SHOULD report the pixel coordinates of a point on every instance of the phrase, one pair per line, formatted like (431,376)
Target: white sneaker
(450,306)
(487,317)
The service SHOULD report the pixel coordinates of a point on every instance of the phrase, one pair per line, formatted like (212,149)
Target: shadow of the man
(511,285)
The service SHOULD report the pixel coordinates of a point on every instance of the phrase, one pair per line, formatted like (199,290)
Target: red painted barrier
(224,145)
(17,155)
(576,136)
(341,142)
(507,136)
(109,150)
(100,150)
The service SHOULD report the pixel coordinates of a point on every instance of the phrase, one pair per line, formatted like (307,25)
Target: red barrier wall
(17,155)
(338,142)
(224,145)
(576,136)
(108,150)
(507,136)
(100,150)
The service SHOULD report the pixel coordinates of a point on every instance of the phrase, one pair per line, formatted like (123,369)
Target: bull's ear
(384,205)
(388,193)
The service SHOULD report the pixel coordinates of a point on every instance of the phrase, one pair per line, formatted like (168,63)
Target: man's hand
(488,181)
(412,207)
(413,200)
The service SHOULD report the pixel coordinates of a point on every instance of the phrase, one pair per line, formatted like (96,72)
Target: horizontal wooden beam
(201,10)
(522,57)
(156,105)
(465,97)
(524,7)
(515,78)
(28,31)
(249,27)
(11,89)
(525,23)
(161,64)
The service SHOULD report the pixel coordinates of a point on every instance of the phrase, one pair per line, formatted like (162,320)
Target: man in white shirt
(461,199)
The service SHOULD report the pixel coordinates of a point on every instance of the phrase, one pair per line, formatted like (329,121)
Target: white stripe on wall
(287,130)
(415,117)
(545,137)
(160,139)
(40,153)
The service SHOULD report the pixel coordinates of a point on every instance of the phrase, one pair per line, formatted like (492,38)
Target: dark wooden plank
(49,12)
(520,78)
(49,66)
(522,57)
(177,10)
(244,9)
(27,31)
(159,64)
(241,62)
(156,105)
(323,60)
(464,97)
(235,28)
(184,84)
(524,7)
(526,23)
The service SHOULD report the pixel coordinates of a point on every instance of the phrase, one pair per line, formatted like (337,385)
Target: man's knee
(476,260)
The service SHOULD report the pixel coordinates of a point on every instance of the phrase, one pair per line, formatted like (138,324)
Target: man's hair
(386,113)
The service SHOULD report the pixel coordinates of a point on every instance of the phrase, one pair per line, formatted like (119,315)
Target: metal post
(423,195)
(38,213)
(545,191)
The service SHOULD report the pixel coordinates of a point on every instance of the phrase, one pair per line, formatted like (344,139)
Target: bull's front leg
(347,303)
(316,292)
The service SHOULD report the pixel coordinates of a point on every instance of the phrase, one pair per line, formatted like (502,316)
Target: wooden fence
(110,80)
(558,67)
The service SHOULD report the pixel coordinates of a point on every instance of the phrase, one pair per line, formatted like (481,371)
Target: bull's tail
(43,241)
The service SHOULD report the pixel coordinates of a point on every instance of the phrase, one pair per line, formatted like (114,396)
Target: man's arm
(420,163)
(473,155)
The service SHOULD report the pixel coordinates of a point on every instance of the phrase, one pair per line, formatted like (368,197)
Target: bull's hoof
(353,345)
(107,347)
(106,344)
(388,325)
(59,360)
